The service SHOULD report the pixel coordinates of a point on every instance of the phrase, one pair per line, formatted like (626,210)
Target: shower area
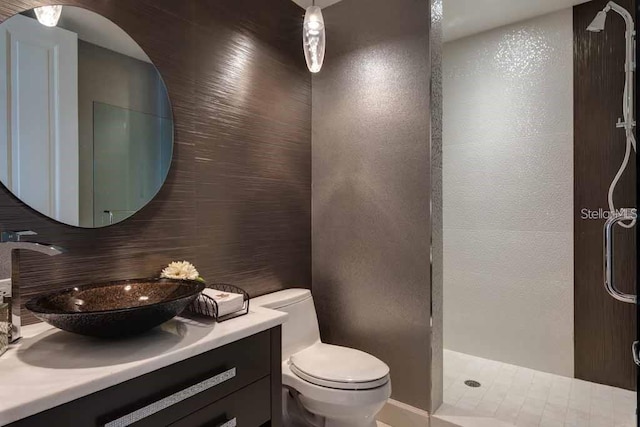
(538,155)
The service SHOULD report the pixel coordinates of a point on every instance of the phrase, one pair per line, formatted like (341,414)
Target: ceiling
(321,3)
(466,17)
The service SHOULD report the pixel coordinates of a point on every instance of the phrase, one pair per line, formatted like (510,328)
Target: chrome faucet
(13,240)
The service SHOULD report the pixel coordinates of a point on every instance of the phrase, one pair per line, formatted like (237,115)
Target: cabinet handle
(231,423)
(173,399)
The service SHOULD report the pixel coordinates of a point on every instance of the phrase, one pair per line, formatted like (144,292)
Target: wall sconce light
(48,15)
(314,38)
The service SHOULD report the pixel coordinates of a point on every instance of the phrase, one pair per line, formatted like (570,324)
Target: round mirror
(86,126)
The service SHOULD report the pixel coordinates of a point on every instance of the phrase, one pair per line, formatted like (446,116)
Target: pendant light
(48,15)
(313,38)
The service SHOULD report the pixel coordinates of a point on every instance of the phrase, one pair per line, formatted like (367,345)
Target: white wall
(508,194)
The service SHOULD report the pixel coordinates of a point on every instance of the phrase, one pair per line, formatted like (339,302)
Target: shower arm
(628,19)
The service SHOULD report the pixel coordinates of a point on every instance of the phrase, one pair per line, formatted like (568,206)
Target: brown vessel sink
(115,309)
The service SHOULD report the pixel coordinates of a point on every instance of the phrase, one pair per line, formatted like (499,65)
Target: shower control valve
(622,124)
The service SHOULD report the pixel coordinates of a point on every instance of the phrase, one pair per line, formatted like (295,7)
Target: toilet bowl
(324,385)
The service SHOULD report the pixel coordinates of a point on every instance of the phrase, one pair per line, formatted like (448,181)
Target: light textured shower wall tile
(528,255)
(488,315)
(511,82)
(519,185)
(479,209)
(528,161)
(508,193)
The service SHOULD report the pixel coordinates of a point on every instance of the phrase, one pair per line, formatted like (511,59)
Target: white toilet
(324,385)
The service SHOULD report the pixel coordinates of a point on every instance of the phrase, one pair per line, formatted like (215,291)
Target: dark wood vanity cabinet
(238,384)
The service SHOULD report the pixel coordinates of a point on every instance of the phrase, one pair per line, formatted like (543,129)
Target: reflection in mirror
(86,128)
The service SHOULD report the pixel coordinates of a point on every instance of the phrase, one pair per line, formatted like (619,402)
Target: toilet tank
(301,328)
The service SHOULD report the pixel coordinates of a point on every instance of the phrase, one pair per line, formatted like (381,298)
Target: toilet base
(293,415)
(296,414)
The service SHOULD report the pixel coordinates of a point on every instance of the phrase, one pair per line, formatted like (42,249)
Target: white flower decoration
(180,270)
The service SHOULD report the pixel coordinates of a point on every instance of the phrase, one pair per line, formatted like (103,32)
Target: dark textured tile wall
(237,202)
(604,328)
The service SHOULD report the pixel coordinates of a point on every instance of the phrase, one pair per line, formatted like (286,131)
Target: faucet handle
(15,236)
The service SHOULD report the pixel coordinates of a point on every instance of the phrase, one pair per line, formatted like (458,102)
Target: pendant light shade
(48,15)
(314,38)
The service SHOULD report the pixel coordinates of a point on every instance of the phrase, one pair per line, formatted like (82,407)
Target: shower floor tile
(525,397)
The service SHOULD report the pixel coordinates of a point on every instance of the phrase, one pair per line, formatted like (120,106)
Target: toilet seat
(338,367)
(335,403)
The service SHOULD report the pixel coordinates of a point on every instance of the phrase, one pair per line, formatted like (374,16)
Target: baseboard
(398,414)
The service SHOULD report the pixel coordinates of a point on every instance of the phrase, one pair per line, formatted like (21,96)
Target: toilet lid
(339,367)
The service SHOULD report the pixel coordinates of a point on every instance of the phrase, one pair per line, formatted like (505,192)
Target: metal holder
(206,306)
(609,281)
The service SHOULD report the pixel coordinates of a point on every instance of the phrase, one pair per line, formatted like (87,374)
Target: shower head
(597,24)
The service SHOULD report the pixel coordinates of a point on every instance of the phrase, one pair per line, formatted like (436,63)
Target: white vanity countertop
(49,367)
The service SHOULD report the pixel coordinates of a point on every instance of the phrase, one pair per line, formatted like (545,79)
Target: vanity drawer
(169,394)
(249,407)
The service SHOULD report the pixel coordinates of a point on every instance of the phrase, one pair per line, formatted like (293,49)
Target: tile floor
(525,397)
